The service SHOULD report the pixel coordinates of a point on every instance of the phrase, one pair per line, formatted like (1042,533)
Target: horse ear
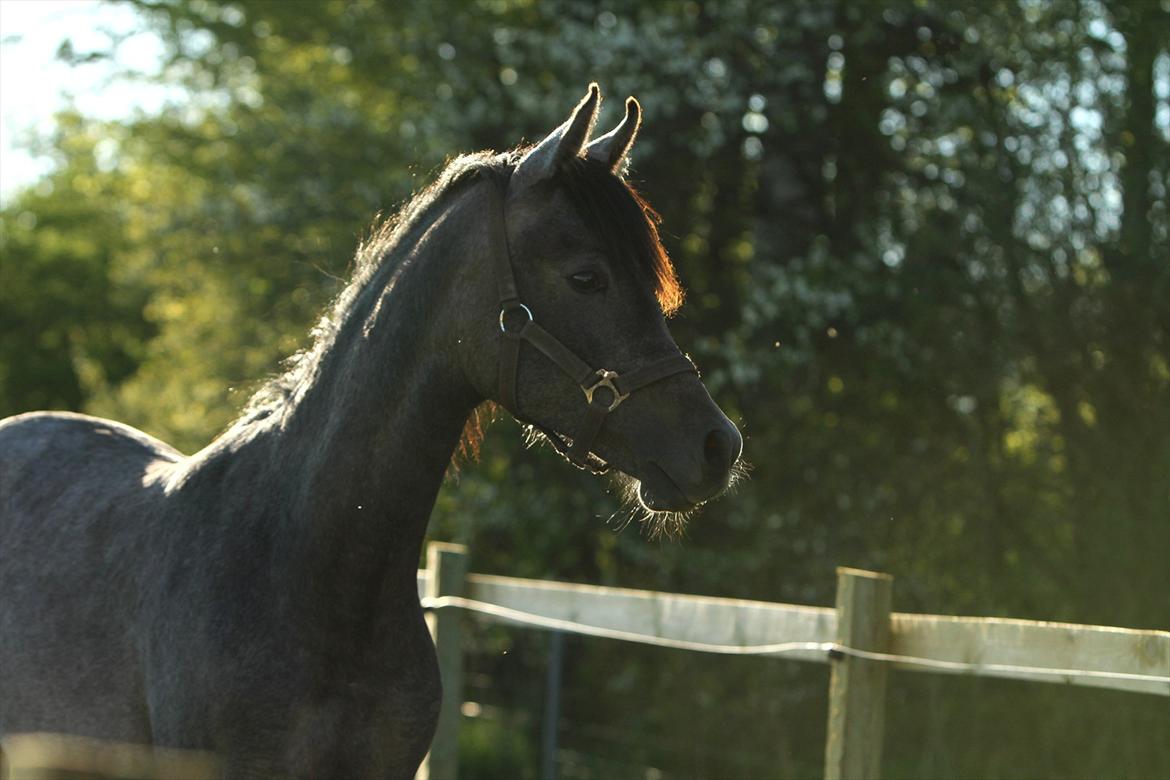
(613,147)
(562,144)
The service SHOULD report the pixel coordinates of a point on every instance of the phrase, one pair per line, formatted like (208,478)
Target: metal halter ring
(605,381)
(505,309)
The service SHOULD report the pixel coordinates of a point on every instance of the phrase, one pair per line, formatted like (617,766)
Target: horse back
(63,475)
(77,495)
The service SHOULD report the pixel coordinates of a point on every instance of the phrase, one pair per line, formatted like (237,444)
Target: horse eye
(587,281)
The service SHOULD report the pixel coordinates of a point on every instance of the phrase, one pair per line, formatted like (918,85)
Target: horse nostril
(717,451)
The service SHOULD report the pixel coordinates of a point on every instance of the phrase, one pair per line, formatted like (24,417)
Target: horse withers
(257,599)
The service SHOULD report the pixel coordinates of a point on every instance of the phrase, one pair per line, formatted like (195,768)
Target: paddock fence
(859,636)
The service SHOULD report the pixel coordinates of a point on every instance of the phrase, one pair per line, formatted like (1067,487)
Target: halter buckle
(605,382)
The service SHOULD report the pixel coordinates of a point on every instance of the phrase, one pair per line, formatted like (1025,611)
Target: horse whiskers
(665,525)
(654,524)
(671,524)
(741,471)
(626,517)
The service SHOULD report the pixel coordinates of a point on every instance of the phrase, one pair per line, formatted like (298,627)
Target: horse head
(580,347)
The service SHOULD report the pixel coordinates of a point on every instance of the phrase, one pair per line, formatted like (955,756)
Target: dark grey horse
(258,598)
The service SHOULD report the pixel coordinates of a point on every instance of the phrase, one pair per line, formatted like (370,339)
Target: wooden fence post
(857,690)
(447,569)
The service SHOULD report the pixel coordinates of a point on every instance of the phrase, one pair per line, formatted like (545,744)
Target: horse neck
(357,458)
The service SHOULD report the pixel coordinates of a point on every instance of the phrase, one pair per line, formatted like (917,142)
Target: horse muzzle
(683,483)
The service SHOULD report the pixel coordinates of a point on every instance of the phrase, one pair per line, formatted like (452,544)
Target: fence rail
(1061,653)
(1069,653)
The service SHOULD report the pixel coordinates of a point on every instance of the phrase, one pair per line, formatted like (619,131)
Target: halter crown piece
(604,390)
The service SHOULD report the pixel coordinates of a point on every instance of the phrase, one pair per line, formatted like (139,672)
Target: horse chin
(660,505)
(661,515)
(657,492)
(651,502)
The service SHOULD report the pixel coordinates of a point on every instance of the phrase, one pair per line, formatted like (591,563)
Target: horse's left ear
(613,147)
(561,145)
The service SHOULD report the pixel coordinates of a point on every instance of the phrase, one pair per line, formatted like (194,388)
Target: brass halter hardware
(605,381)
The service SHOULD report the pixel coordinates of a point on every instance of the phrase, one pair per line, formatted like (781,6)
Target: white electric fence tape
(780,648)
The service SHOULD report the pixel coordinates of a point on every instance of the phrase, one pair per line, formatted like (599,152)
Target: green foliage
(925,247)
(490,749)
(70,316)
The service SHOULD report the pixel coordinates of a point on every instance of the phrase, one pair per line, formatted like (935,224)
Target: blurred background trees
(927,249)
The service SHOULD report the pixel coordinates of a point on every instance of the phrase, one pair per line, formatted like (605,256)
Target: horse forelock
(628,224)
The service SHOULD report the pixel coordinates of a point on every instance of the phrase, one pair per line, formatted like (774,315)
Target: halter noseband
(604,390)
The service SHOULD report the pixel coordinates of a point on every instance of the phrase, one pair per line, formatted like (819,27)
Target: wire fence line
(832,650)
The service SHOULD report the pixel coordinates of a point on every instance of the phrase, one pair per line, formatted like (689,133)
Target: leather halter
(604,390)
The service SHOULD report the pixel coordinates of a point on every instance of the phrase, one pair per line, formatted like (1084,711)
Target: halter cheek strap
(604,390)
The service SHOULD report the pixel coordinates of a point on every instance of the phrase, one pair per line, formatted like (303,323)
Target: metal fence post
(447,569)
(857,689)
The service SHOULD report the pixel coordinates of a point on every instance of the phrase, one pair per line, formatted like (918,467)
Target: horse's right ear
(561,145)
(612,148)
